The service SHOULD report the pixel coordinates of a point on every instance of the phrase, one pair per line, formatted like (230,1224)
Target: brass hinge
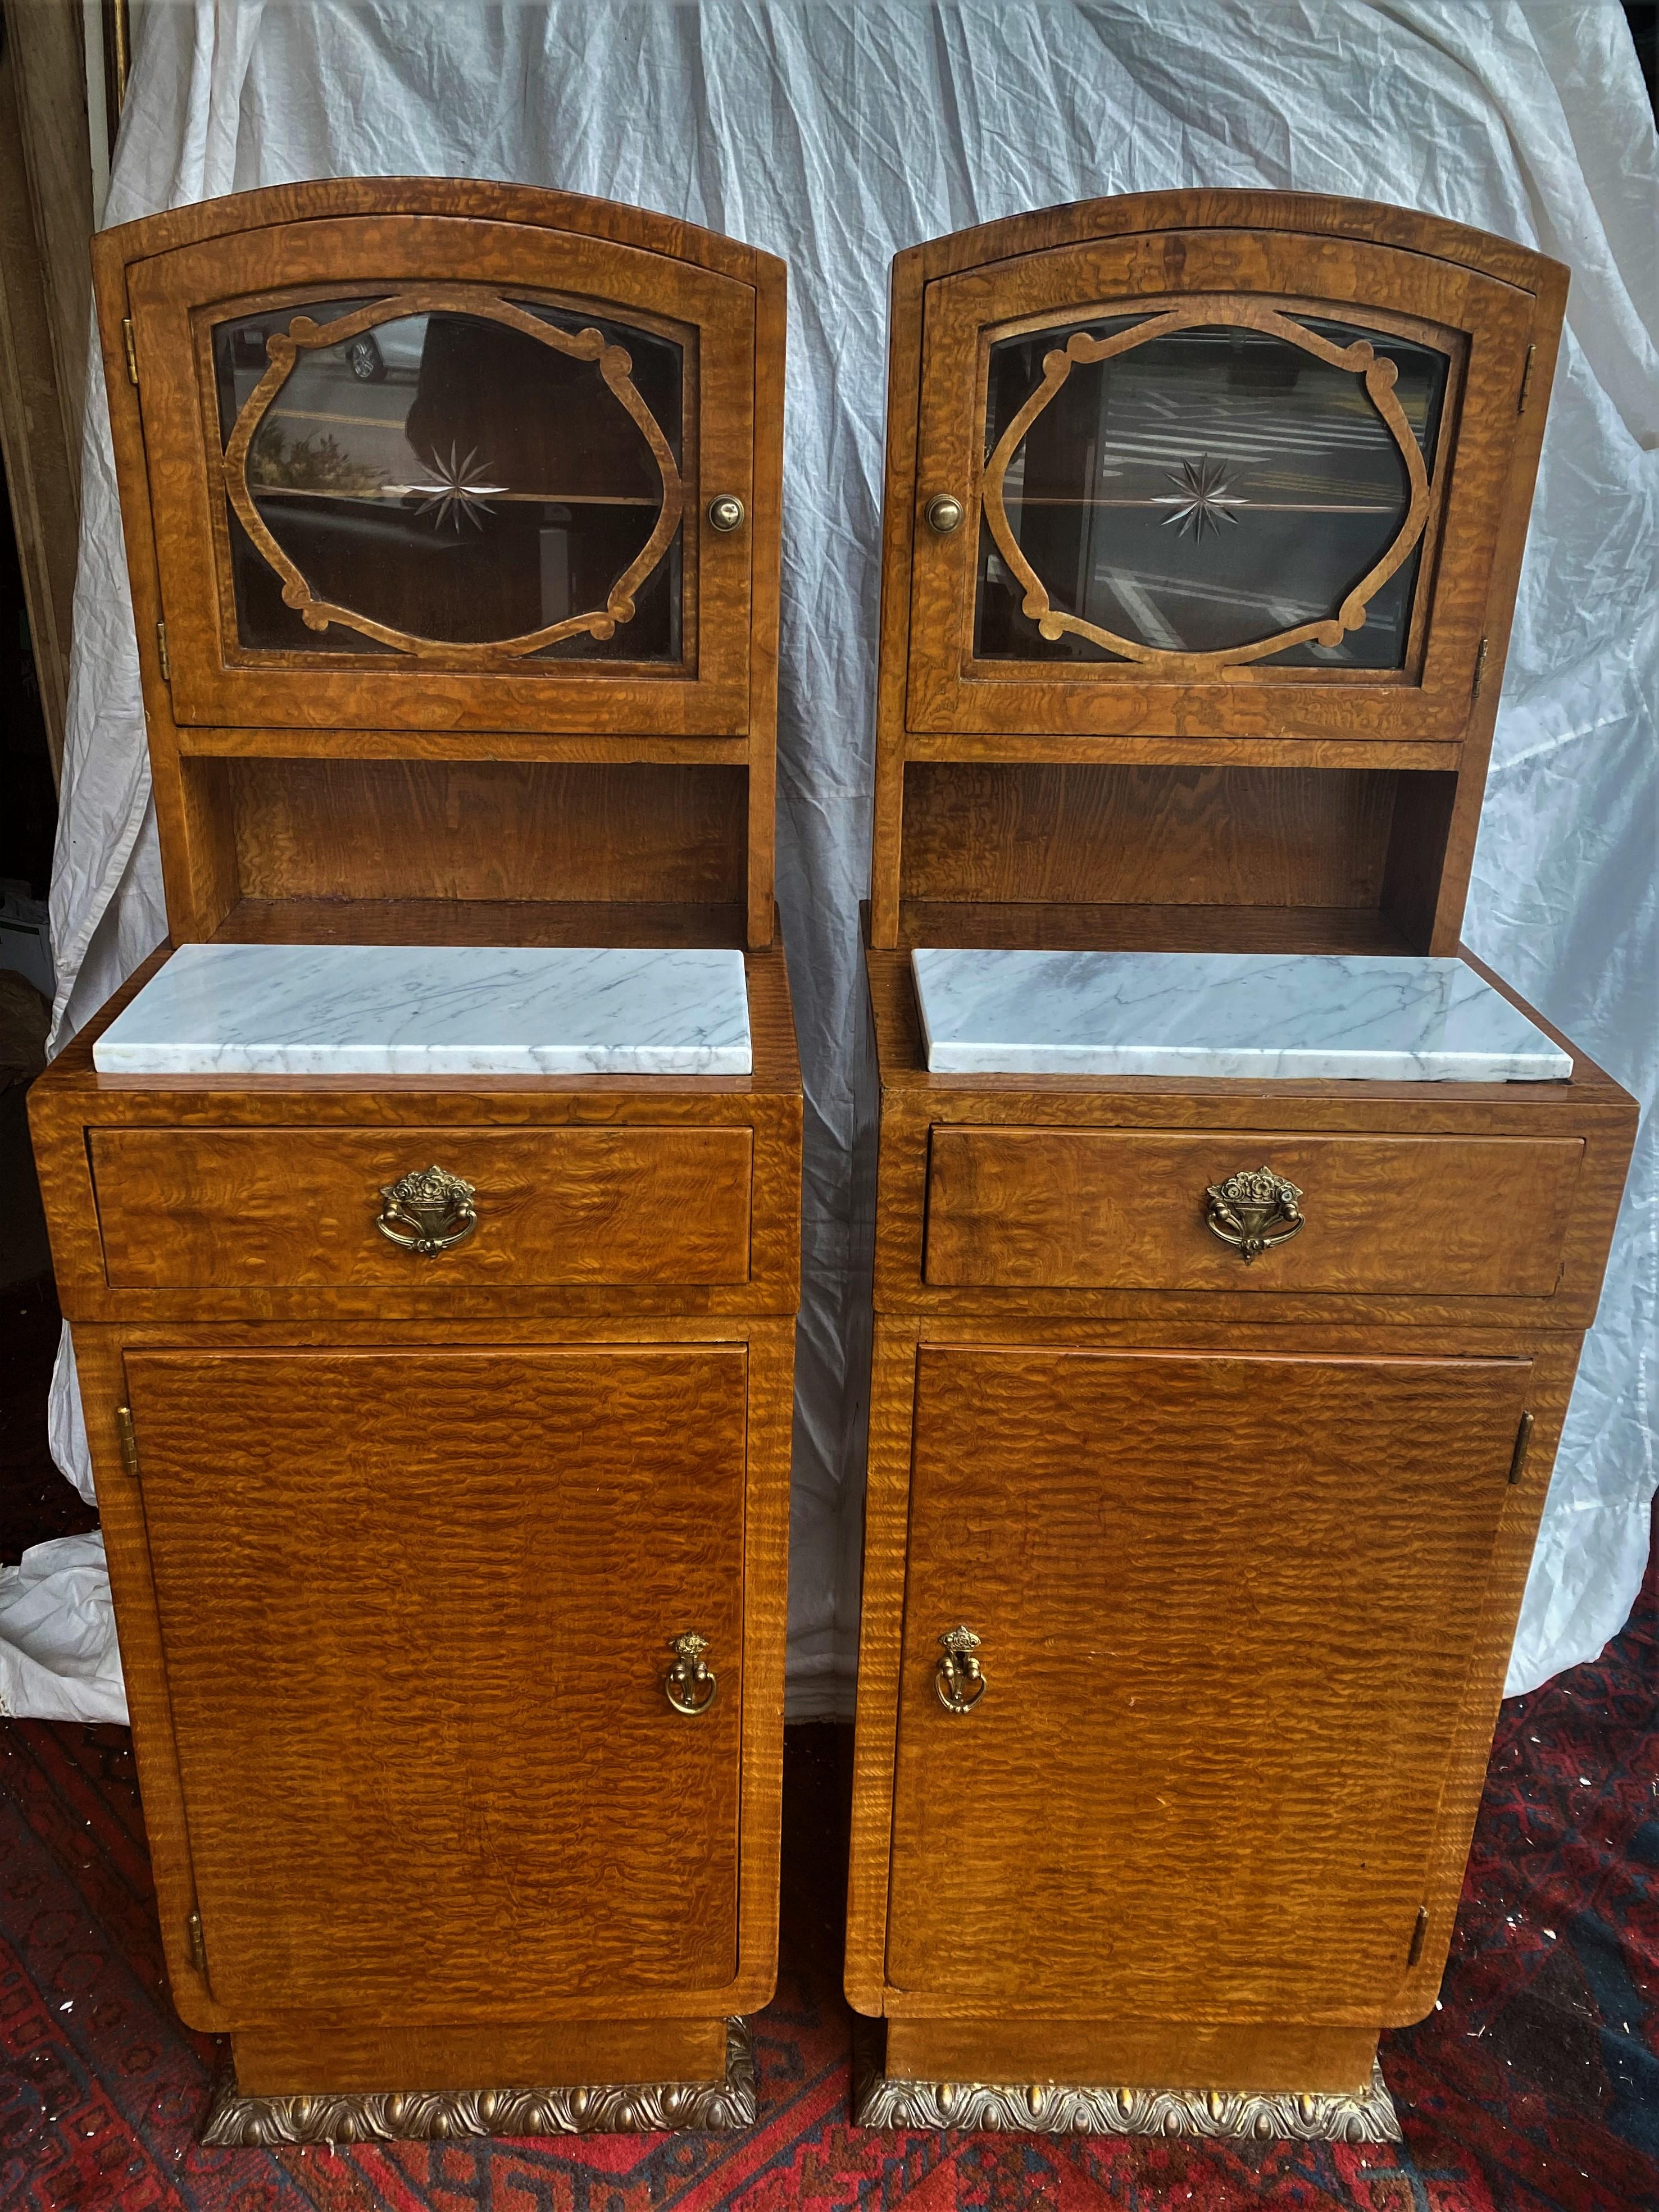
(132,350)
(167,665)
(1418,1934)
(129,1442)
(1526,380)
(197,1941)
(1480,670)
(1522,1445)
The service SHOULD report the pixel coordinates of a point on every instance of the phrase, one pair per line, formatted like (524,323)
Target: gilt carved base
(391,2115)
(1052,2108)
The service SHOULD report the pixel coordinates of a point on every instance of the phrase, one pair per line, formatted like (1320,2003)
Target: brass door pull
(943,514)
(690,1685)
(436,1206)
(726,512)
(959,1678)
(1252,1211)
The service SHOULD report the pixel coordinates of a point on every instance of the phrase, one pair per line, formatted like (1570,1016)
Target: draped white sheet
(834,133)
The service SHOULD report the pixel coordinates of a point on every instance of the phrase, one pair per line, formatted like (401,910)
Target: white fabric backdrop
(834,133)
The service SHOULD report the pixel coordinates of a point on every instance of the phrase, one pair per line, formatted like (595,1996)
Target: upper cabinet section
(446,456)
(1214,464)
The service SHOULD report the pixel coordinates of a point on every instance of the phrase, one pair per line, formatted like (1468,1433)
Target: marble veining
(434,1010)
(1000,1012)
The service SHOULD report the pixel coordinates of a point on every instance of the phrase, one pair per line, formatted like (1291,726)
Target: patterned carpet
(1533,2089)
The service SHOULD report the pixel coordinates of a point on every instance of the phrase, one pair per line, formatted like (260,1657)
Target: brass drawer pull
(689,1685)
(957,1678)
(1252,1211)
(436,1205)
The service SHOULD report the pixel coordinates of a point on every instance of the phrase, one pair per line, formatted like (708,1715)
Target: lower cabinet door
(416,1609)
(1226,1606)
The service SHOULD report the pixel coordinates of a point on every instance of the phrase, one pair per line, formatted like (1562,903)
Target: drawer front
(1093,1209)
(228,1208)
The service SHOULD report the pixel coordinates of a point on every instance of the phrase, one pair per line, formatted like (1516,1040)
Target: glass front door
(1239,484)
(453,472)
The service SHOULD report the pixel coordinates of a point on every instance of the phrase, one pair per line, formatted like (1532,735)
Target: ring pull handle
(1252,1210)
(959,1678)
(434,1205)
(690,1685)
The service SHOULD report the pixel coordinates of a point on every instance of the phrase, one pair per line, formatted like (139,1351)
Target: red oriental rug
(1533,2087)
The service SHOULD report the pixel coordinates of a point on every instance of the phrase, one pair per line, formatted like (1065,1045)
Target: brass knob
(959,1678)
(1252,1210)
(943,514)
(689,1685)
(726,512)
(433,1203)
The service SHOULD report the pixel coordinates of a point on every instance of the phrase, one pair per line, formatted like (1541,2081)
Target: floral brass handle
(436,1206)
(959,1678)
(690,1684)
(1252,1211)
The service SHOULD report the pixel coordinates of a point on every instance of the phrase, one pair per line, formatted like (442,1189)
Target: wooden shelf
(1045,925)
(198,742)
(478,921)
(1072,747)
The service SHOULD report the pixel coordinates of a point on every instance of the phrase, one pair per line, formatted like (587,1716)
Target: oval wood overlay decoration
(1202,499)
(462,488)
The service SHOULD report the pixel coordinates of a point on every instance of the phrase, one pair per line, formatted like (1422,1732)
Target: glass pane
(453,478)
(1203,491)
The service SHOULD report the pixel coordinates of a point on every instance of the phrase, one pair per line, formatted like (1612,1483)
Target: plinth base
(240,2119)
(881,2099)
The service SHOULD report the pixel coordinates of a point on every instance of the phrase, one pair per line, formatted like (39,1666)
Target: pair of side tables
(427,1212)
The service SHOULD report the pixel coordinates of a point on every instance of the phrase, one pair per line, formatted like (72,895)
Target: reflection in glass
(454,478)
(1205,490)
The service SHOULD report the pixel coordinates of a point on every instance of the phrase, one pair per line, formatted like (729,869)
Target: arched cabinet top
(439,454)
(1312,215)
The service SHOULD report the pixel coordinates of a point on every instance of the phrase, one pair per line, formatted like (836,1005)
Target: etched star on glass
(1206,499)
(455,494)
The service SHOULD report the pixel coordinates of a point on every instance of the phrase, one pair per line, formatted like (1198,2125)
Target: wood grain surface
(228,837)
(275,2062)
(768,1349)
(426,1754)
(1449,306)
(1088,1208)
(172,296)
(74,1111)
(917,1108)
(1132,2054)
(1228,1608)
(494,831)
(1495,307)
(398,1559)
(1163,836)
(1244,1539)
(227,1207)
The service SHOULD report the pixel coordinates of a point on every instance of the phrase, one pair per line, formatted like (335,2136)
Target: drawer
(1093,1209)
(222,1208)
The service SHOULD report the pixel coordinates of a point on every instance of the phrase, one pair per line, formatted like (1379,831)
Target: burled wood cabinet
(450,1578)
(1190,1572)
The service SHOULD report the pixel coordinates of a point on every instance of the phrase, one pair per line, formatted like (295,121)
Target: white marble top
(1224,1014)
(434,1010)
